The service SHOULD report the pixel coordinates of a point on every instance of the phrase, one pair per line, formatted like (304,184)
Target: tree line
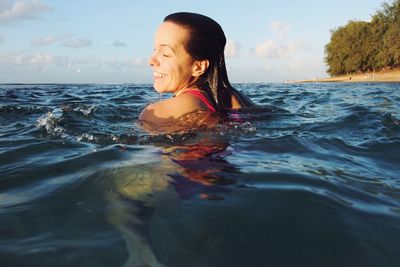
(361,46)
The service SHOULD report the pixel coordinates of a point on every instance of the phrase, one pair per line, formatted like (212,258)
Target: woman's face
(171,63)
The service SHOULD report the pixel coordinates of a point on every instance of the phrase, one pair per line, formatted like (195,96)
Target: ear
(199,67)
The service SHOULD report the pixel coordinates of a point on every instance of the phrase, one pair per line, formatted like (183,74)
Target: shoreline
(390,76)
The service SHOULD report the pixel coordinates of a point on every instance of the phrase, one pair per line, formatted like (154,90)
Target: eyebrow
(168,46)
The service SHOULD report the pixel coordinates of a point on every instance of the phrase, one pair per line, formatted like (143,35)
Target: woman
(188,61)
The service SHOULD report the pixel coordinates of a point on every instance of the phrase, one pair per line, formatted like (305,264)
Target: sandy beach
(382,76)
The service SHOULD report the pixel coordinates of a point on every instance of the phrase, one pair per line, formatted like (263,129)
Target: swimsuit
(202,98)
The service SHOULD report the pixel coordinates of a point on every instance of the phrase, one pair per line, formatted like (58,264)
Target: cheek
(179,74)
(183,72)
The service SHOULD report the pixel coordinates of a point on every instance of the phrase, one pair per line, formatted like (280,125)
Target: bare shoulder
(171,108)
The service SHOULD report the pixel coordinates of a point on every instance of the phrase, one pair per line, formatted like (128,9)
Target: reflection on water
(201,169)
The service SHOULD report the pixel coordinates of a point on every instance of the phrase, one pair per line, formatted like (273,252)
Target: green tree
(362,46)
(391,39)
(347,50)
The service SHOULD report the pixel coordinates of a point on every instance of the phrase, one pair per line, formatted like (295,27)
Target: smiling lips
(159,75)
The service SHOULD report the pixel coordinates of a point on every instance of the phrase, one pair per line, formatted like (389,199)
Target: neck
(190,85)
(180,91)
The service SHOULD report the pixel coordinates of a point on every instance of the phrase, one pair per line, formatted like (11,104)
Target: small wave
(55,125)
(22,110)
(245,127)
(76,122)
(128,98)
(107,139)
(360,125)
(86,110)
(258,113)
(391,123)
(51,123)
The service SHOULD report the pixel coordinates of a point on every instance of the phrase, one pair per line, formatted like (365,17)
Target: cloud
(268,67)
(134,63)
(19,59)
(43,59)
(119,43)
(25,62)
(46,40)
(22,10)
(66,40)
(232,48)
(77,43)
(271,49)
(280,28)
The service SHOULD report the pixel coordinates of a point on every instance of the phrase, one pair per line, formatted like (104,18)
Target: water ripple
(310,175)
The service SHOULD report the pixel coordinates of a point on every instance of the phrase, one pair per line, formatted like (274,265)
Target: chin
(160,88)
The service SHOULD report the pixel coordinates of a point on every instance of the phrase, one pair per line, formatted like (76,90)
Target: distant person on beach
(188,61)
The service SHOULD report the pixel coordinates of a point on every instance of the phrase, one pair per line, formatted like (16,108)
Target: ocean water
(311,177)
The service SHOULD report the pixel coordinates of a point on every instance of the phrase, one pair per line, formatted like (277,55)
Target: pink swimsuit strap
(202,97)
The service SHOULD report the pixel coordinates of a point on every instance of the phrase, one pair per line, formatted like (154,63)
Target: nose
(153,60)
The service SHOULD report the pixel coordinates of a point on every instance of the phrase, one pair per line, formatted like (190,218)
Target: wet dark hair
(207,41)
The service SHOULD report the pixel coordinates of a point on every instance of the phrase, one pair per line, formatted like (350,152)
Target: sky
(96,41)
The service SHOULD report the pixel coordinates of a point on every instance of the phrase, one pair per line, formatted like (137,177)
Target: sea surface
(311,177)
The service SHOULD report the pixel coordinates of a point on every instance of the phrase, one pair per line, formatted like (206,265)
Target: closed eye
(163,50)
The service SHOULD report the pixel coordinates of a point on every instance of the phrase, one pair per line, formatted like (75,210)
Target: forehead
(171,34)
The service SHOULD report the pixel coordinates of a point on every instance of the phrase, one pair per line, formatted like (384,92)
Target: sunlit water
(309,178)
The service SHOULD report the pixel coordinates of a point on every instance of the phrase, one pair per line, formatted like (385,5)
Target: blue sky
(95,41)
